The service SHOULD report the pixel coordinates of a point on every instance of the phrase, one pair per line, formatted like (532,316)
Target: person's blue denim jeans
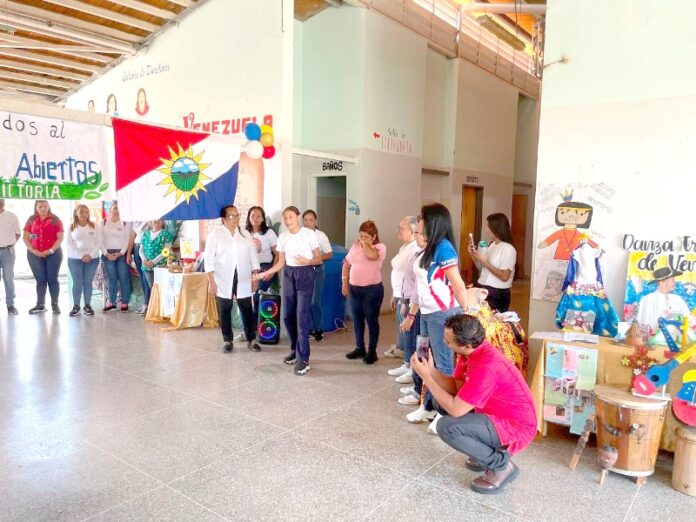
(365,302)
(433,325)
(82,277)
(406,340)
(7,261)
(119,276)
(141,274)
(317,312)
(45,270)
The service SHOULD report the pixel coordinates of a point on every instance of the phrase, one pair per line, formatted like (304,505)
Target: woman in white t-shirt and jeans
(298,252)
(115,237)
(84,242)
(265,240)
(497,264)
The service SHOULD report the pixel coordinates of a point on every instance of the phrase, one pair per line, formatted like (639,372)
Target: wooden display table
(610,371)
(182,300)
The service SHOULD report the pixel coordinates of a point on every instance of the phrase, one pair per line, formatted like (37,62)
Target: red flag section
(139,148)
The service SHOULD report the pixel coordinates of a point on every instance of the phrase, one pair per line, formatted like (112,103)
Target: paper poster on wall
(567,214)
(660,281)
(51,158)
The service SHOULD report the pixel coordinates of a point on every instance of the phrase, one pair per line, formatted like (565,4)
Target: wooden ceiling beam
(182,3)
(43,80)
(48,91)
(39,69)
(106,13)
(26,96)
(137,5)
(51,60)
(81,51)
(47,21)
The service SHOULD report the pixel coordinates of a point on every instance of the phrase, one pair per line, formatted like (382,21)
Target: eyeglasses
(233,216)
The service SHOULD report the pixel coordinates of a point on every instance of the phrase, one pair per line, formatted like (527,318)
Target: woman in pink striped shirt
(362,281)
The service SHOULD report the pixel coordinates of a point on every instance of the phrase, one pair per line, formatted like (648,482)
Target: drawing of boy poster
(565,215)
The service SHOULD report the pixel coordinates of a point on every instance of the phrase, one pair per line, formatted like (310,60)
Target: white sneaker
(421,415)
(432,428)
(393,352)
(405,378)
(395,372)
(409,400)
(408,390)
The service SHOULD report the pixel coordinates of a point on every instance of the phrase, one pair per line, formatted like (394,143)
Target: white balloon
(254,149)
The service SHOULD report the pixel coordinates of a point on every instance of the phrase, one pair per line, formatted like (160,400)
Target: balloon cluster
(260,144)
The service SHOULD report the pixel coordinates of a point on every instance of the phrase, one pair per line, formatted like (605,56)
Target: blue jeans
(7,261)
(407,340)
(82,276)
(298,285)
(365,302)
(433,325)
(144,282)
(119,275)
(45,270)
(317,312)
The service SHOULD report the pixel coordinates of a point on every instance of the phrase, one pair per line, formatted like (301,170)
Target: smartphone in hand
(422,347)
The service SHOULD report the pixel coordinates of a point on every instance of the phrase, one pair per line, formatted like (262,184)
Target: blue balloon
(252,131)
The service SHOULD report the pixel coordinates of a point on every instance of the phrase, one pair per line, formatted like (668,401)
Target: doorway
(331,207)
(518,227)
(471,222)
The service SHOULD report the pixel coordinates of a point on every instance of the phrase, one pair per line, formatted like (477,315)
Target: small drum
(632,425)
(684,471)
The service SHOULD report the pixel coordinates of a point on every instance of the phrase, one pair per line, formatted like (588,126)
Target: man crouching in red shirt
(487,406)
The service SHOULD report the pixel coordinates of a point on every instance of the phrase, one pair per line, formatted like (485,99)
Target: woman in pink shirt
(362,280)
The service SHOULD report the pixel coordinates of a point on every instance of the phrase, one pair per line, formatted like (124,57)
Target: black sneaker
(318,335)
(227,347)
(109,307)
(88,310)
(253,346)
(55,308)
(290,358)
(301,367)
(311,333)
(38,309)
(370,358)
(12,310)
(358,353)
(75,310)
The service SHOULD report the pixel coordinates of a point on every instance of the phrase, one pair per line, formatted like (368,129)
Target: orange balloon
(266,139)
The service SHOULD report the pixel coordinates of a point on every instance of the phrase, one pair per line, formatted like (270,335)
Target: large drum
(684,471)
(632,425)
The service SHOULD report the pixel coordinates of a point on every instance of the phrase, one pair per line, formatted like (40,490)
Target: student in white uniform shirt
(230,262)
(116,236)
(84,243)
(265,240)
(10,232)
(662,302)
(497,265)
(309,220)
(298,253)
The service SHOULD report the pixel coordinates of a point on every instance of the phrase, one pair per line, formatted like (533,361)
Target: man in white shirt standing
(661,303)
(10,232)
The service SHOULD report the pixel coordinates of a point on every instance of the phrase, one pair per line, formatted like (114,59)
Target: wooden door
(518,227)
(472,198)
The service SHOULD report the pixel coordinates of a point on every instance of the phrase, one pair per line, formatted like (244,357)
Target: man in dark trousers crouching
(487,406)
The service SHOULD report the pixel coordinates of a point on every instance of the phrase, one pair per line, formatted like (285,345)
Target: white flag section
(173,174)
(53,158)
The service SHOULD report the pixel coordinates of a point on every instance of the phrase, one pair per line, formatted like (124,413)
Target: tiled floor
(109,418)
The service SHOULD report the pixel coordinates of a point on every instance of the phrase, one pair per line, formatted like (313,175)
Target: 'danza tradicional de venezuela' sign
(47,158)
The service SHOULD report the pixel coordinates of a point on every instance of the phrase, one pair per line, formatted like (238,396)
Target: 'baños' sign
(46,158)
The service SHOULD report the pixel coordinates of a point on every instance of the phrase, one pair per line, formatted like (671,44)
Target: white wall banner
(53,158)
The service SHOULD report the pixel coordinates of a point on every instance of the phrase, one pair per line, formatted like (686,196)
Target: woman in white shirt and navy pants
(497,265)
(298,252)
(230,262)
